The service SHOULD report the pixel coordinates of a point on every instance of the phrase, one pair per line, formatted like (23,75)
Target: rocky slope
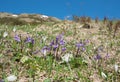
(21,19)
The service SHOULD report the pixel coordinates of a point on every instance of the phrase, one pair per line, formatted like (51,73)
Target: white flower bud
(103,75)
(116,67)
(44,38)
(5,34)
(14,29)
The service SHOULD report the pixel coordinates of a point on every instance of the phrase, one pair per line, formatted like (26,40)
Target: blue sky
(63,8)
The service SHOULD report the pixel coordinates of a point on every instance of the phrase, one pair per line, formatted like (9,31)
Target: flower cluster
(81,47)
(28,41)
(17,38)
(56,46)
(58,42)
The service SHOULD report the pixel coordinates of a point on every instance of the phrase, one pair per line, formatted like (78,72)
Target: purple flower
(97,57)
(2,81)
(87,41)
(55,47)
(30,40)
(63,49)
(52,43)
(59,37)
(83,49)
(44,50)
(62,42)
(17,38)
(107,56)
(79,45)
(45,47)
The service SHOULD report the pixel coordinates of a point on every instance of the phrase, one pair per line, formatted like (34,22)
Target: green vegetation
(61,52)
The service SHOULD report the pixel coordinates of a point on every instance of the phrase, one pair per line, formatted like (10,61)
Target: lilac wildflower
(87,41)
(30,40)
(52,43)
(62,42)
(55,47)
(17,38)
(107,56)
(59,37)
(48,48)
(45,47)
(63,49)
(97,57)
(83,49)
(79,45)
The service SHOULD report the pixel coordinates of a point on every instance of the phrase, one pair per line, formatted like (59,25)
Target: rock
(54,19)
(11,78)
(86,25)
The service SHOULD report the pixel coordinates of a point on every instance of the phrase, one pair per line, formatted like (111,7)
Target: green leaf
(1,55)
(47,80)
